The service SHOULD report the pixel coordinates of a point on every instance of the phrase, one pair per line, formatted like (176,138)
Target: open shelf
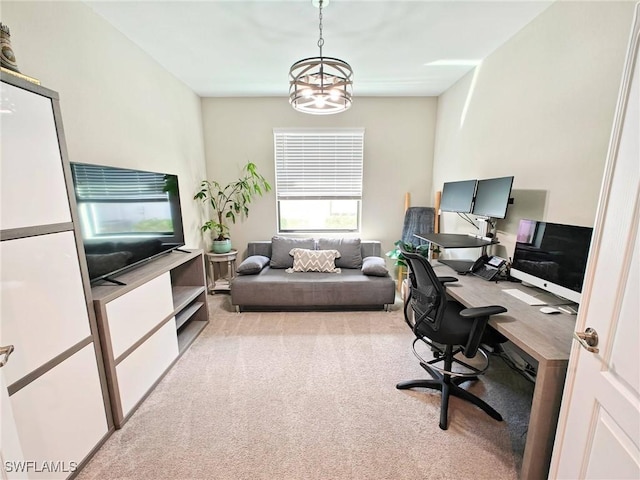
(188,333)
(183,296)
(185,315)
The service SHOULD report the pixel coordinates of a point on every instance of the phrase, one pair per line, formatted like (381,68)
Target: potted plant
(396,253)
(230,202)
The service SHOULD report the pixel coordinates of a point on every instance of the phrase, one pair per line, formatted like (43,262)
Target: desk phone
(488,267)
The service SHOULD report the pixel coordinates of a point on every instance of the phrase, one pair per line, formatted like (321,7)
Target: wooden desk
(546,338)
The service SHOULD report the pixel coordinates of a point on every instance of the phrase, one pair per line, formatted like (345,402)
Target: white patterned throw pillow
(305,260)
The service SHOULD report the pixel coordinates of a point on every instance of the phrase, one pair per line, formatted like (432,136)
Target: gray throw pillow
(281,246)
(374,266)
(252,265)
(349,248)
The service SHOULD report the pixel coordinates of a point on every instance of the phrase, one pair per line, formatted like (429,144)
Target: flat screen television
(458,196)
(126,216)
(492,197)
(552,256)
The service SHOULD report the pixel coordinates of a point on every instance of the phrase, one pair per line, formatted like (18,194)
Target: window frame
(343,186)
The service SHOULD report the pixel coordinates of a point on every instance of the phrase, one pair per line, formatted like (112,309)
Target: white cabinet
(44,310)
(55,378)
(139,371)
(147,322)
(132,315)
(33,185)
(61,416)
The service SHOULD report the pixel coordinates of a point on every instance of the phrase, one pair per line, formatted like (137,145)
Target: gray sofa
(265,280)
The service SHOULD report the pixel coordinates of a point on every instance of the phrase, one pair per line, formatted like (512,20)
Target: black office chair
(448,329)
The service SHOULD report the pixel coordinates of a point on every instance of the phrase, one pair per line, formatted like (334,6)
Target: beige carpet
(311,395)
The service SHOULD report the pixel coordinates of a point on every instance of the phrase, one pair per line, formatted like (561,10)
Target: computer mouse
(549,310)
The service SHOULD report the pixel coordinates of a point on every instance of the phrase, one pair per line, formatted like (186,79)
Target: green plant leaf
(231,201)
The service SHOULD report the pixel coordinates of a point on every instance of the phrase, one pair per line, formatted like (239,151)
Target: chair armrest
(482,311)
(480,316)
(444,280)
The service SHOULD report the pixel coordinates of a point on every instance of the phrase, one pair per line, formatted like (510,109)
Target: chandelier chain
(320,40)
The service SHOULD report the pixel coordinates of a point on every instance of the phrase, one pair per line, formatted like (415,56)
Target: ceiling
(245,48)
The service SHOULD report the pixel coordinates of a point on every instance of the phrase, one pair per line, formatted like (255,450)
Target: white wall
(398,155)
(119,107)
(539,108)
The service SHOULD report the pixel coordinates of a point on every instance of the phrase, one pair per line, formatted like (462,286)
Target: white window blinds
(319,164)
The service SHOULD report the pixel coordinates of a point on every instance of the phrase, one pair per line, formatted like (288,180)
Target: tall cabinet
(58,406)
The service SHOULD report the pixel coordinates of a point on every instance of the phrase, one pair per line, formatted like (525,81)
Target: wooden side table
(219,281)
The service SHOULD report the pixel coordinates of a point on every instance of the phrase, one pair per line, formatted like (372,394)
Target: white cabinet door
(32,185)
(44,311)
(139,371)
(61,416)
(137,312)
(10,449)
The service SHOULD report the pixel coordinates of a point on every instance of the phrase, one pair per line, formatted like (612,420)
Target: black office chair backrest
(417,220)
(428,298)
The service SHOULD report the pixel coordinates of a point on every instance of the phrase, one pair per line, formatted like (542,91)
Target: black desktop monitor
(492,197)
(458,196)
(552,256)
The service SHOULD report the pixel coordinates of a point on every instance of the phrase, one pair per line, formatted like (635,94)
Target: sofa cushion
(281,246)
(252,265)
(275,289)
(305,260)
(374,266)
(349,248)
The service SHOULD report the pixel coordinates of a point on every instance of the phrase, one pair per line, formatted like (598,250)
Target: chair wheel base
(450,387)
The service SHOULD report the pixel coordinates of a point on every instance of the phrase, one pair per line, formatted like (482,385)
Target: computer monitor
(458,196)
(552,256)
(492,197)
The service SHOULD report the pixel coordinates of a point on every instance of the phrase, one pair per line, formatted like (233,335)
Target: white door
(598,432)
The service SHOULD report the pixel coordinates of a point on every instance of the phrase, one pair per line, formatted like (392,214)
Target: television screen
(552,256)
(458,196)
(126,216)
(492,197)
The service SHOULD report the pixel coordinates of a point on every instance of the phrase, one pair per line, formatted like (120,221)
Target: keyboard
(524,297)
(460,266)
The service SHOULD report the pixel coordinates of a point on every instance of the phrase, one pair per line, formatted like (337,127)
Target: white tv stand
(147,323)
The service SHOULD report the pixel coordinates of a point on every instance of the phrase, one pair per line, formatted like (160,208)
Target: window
(319,179)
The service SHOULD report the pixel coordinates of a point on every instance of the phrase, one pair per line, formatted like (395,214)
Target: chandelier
(320,85)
